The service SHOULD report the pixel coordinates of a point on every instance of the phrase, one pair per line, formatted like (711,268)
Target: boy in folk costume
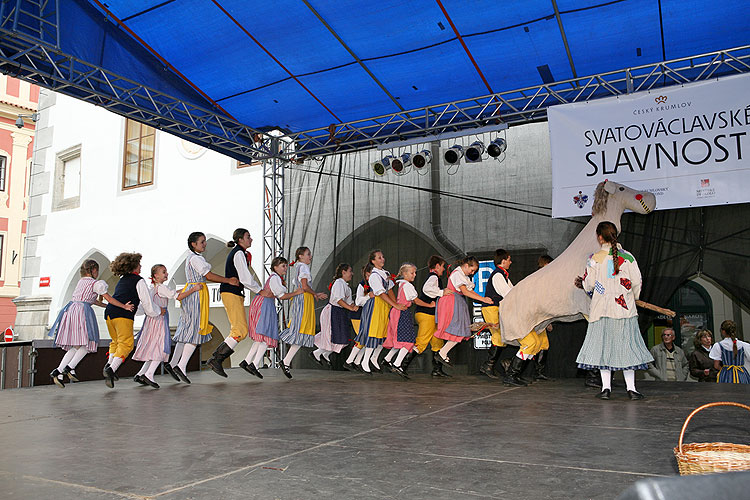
(233,297)
(131,289)
(425,317)
(497,287)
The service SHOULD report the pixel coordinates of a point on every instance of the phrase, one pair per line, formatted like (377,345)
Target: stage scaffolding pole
(273,225)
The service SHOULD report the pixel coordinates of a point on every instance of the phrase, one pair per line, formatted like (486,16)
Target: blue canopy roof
(304,64)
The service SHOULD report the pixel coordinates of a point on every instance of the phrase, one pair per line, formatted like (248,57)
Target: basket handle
(700,408)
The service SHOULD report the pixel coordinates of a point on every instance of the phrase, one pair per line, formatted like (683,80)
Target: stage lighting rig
(497,147)
(474,152)
(454,154)
(397,165)
(421,159)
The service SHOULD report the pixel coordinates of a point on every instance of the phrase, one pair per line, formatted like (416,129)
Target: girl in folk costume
(75,329)
(732,356)
(335,325)
(154,341)
(193,328)
(364,293)
(613,340)
(263,320)
(233,297)
(374,325)
(132,289)
(453,318)
(401,333)
(301,329)
(425,317)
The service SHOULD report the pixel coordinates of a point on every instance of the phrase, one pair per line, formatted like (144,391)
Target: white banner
(688,145)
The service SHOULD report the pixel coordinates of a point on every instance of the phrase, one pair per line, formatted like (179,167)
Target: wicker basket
(707,458)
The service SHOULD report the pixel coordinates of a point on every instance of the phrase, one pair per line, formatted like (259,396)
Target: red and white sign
(44,281)
(9,334)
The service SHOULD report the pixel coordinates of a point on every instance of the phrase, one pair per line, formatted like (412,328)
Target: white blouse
(165,292)
(144,295)
(362,297)
(458,278)
(277,287)
(410,293)
(377,284)
(243,272)
(501,286)
(612,295)
(727,344)
(200,264)
(431,287)
(340,291)
(100,287)
(303,271)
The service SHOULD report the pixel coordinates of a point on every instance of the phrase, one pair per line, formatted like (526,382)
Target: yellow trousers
(491,314)
(235,308)
(121,333)
(426,333)
(534,342)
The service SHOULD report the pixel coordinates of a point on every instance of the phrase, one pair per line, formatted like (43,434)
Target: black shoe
(387,365)
(635,395)
(146,381)
(443,361)
(488,368)
(351,367)
(400,371)
(285,369)
(57,381)
(312,356)
(512,374)
(168,368)
(71,373)
(250,368)
(180,374)
(140,379)
(437,368)
(540,364)
(604,394)
(326,363)
(217,359)
(593,379)
(109,376)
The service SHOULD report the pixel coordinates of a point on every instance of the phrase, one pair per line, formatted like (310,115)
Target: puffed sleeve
(145,297)
(431,287)
(276,286)
(715,352)
(200,264)
(338,291)
(100,287)
(165,292)
(376,283)
(362,297)
(303,271)
(410,293)
(458,278)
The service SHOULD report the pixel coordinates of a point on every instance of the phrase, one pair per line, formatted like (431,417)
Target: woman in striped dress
(153,339)
(263,321)
(401,332)
(193,328)
(452,312)
(373,327)
(75,330)
(731,356)
(335,323)
(300,331)
(364,293)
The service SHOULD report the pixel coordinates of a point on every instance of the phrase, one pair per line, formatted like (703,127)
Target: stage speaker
(725,485)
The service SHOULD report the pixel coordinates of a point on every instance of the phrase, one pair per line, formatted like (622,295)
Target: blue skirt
(341,326)
(614,344)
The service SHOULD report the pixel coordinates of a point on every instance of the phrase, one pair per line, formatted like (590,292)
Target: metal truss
(514,106)
(29,49)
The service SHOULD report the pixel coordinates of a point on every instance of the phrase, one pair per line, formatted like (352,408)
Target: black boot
(541,364)
(437,367)
(217,358)
(488,367)
(408,359)
(514,370)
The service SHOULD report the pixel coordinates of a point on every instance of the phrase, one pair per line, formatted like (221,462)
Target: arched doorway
(694,309)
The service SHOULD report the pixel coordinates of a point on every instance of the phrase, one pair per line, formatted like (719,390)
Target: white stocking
(67,358)
(253,351)
(258,361)
(366,359)
(401,355)
(606,379)
(144,368)
(318,352)
(375,356)
(391,354)
(327,354)
(82,351)
(115,363)
(630,379)
(352,355)
(360,354)
(152,365)
(450,344)
(177,353)
(187,352)
(290,354)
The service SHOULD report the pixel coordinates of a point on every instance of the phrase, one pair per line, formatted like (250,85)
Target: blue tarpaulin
(300,65)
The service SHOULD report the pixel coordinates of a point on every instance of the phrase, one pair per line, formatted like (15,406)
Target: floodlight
(454,154)
(474,152)
(397,165)
(497,147)
(421,159)
(380,167)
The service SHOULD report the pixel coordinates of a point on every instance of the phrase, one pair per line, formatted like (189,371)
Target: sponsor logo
(705,183)
(660,99)
(580,199)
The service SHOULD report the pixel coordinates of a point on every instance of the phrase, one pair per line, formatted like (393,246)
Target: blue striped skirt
(614,344)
